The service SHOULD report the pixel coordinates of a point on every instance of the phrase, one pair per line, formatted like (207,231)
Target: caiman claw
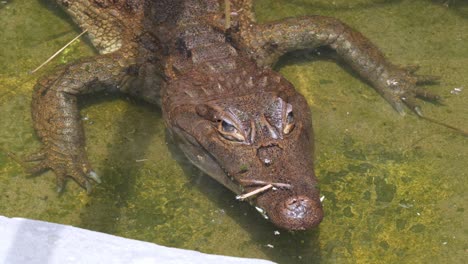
(402,87)
(64,166)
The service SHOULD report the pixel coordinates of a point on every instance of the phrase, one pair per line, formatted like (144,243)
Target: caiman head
(248,132)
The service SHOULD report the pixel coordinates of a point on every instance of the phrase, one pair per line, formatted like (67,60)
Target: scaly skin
(230,113)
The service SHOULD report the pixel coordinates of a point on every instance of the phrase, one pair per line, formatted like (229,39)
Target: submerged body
(230,113)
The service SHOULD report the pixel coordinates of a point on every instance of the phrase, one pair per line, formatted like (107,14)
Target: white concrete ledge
(31,241)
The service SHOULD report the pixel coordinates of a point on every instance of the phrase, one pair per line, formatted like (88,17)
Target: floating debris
(457,90)
(275,184)
(406,206)
(252,193)
(58,52)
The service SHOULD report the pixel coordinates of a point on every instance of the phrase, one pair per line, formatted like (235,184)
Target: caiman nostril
(298,207)
(300,212)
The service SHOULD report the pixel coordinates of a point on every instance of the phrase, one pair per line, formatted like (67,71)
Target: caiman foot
(403,87)
(64,166)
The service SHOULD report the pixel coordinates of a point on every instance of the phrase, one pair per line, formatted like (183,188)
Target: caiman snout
(297,213)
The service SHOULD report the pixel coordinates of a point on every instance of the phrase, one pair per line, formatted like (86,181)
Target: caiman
(209,66)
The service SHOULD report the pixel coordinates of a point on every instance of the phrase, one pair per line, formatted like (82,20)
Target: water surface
(394,187)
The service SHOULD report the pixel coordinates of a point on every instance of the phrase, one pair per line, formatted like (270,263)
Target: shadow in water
(54,8)
(110,199)
(286,247)
(118,174)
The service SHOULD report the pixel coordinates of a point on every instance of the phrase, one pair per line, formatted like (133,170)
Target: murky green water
(395,187)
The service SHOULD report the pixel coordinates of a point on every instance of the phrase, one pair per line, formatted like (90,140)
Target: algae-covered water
(395,187)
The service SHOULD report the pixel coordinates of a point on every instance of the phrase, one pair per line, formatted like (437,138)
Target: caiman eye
(229,131)
(289,125)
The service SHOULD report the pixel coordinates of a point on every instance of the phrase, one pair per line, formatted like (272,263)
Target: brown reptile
(211,73)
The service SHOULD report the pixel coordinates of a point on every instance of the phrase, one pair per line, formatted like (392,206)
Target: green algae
(394,186)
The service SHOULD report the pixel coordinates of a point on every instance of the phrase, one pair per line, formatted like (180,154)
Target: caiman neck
(192,41)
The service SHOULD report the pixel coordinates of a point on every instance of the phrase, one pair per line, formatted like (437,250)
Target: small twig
(275,184)
(227,14)
(58,52)
(254,192)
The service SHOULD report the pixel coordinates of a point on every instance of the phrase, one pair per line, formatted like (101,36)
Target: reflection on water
(394,186)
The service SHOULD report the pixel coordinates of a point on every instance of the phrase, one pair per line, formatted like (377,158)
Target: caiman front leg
(399,86)
(57,120)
